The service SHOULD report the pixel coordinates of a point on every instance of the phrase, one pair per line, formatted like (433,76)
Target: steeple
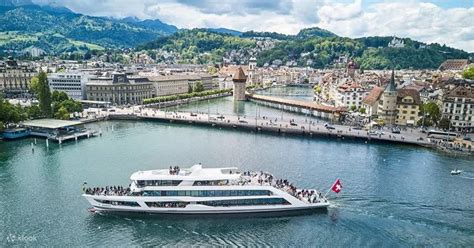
(391,86)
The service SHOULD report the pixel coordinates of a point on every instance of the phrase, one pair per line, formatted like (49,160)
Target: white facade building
(348,95)
(72,83)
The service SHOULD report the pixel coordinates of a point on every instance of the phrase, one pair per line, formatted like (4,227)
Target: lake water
(393,195)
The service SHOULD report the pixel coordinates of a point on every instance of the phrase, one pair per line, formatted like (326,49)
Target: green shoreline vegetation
(56,104)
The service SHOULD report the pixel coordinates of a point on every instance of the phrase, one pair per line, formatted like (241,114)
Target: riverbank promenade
(304,126)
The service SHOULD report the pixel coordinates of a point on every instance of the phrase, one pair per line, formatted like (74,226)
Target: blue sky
(443,21)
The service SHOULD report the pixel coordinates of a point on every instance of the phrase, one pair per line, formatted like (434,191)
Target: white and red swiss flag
(337,186)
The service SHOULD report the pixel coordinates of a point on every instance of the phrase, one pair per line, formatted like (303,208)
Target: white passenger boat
(456,172)
(198,190)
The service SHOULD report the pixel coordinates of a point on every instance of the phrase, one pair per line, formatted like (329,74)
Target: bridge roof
(301,104)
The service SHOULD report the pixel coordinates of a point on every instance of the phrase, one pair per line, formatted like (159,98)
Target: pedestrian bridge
(304,107)
(284,94)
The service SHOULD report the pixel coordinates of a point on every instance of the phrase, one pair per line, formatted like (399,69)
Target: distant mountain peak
(131,19)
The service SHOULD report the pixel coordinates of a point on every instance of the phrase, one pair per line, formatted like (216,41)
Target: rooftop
(239,76)
(413,93)
(454,64)
(50,123)
(373,96)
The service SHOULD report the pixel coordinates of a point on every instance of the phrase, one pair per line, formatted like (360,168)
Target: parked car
(395,130)
(293,124)
(242,121)
(329,126)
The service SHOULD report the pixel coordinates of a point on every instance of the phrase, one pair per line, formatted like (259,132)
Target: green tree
(444,123)
(317,89)
(362,110)
(198,87)
(62,114)
(34,86)
(353,108)
(431,113)
(468,73)
(34,112)
(190,89)
(424,122)
(10,114)
(59,96)
(44,94)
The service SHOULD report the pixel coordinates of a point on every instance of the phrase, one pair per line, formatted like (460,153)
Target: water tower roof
(239,76)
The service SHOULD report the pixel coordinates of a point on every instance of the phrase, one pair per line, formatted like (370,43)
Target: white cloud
(421,21)
(340,12)
(411,18)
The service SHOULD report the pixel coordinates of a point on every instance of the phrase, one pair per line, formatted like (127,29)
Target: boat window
(245,202)
(143,183)
(167,204)
(211,183)
(206,193)
(120,203)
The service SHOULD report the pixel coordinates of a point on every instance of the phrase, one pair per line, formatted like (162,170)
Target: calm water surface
(393,195)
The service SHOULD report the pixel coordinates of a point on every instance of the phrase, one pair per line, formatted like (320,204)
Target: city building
(351,68)
(205,79)
(239,80)
(408,107)
(119,89)
(454,65)
(72,83)
(350,94)
(396,43)
(169,84)
(458,107)
(371,101)
(387,107)
(15,79)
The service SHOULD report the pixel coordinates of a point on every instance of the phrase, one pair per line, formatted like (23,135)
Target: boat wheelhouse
(198,190)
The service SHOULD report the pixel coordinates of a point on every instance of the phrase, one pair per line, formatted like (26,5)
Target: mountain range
(58,30)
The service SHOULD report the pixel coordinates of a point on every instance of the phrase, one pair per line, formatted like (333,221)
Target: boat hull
(220,212)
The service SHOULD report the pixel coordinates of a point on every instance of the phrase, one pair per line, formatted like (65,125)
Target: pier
(57,130)
(302,127)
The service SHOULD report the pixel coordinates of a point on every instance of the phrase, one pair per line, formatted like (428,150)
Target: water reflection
(209,231)
(239,108)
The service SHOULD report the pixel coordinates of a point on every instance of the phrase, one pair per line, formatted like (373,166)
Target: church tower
(239,80)
(252,70)
(387,110)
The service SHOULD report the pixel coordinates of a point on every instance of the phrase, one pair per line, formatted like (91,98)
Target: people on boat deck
(108,190)
(263,178)
(174,170)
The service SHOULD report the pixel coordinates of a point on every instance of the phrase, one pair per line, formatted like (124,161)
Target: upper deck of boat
(195,173)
